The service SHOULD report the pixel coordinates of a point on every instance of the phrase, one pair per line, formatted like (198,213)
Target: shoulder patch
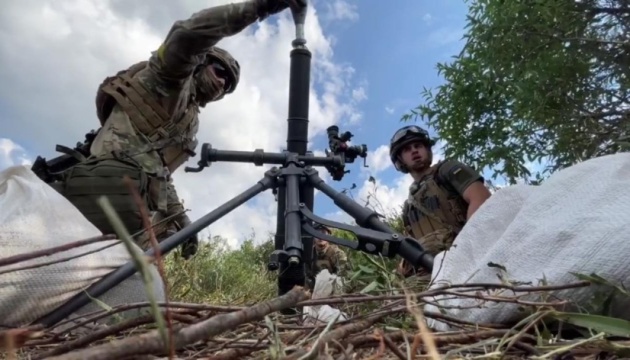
(458,174)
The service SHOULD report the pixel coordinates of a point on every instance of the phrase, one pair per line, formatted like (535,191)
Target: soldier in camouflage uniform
(328,256)
(442,197)
(149,117)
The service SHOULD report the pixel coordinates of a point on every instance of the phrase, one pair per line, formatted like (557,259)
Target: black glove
(270,7)
(189,248)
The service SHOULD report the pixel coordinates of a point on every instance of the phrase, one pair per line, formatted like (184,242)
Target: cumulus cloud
(52,61)
(12,154)
(341,10)
(378,160)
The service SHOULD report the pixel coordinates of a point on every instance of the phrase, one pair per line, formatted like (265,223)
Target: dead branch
(151,343)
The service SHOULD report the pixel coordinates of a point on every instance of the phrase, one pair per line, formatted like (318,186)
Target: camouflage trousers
(162,229)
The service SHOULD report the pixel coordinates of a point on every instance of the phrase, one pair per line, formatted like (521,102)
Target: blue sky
(357,50)
(398,58)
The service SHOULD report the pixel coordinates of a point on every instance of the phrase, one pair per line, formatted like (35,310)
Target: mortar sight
(338,145)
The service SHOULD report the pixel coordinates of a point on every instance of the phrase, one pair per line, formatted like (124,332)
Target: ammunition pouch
(84,183)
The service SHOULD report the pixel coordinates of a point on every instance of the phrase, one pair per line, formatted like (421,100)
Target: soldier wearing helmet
(442,196)
(149,118)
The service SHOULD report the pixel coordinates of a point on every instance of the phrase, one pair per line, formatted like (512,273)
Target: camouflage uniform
(149,112)
(435,211)
(331,258)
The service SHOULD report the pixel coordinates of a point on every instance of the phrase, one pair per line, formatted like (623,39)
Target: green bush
(221,276)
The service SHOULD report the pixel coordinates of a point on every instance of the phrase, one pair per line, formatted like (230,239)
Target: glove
(188,248)
(271,7)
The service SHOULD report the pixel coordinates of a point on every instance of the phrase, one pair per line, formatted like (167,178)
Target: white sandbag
(33,216)
(577,221)
(326,285)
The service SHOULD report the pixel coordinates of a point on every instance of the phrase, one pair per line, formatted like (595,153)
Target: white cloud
(383,198)
(378,160)
(359,94)
(389,109)
(12,154)
(341,10)
(52,60)
(427,18)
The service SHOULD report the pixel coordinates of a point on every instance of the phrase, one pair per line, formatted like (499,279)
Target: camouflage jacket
(332,258)
(150,114)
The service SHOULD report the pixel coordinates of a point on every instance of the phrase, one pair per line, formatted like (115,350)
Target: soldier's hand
(270,7)
(189,248)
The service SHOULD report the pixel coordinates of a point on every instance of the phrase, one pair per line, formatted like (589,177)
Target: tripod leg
(125,271)
(408,249)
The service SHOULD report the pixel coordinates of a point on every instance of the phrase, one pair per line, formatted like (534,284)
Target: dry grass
(202,331)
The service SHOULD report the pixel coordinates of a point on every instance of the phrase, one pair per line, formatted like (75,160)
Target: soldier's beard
(208,88)
(421,164)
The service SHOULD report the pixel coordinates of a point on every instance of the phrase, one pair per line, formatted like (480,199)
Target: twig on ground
(152,343)
(53,250)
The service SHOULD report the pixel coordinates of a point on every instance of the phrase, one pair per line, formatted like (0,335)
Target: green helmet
(404,136)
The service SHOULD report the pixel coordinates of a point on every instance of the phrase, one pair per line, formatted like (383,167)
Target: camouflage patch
(437,241)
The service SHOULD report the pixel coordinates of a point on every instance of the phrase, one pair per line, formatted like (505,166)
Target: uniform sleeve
(341,262)
(173,203)
(188,40)
(459,175)
(405,219)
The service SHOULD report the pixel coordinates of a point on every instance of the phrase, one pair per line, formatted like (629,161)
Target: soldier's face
(320,244)
(216,73)
(415,156)
(210,85)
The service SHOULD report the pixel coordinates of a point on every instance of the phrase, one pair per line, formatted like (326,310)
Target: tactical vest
(324,260)
(173,136)
(434,213)
(84,183)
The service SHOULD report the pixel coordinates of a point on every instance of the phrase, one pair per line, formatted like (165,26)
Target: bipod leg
(127,270)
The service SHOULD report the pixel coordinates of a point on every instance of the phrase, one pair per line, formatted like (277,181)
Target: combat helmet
(404,136)
(226,66)
(324,228)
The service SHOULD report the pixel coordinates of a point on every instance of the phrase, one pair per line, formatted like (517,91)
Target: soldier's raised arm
(188,40)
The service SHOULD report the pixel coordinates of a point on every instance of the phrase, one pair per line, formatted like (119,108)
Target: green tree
(537,81)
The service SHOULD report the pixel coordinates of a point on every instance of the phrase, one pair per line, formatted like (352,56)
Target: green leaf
(366,269)
(373,285)
(610,325)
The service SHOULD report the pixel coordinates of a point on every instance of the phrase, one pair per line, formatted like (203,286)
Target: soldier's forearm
(189,39)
